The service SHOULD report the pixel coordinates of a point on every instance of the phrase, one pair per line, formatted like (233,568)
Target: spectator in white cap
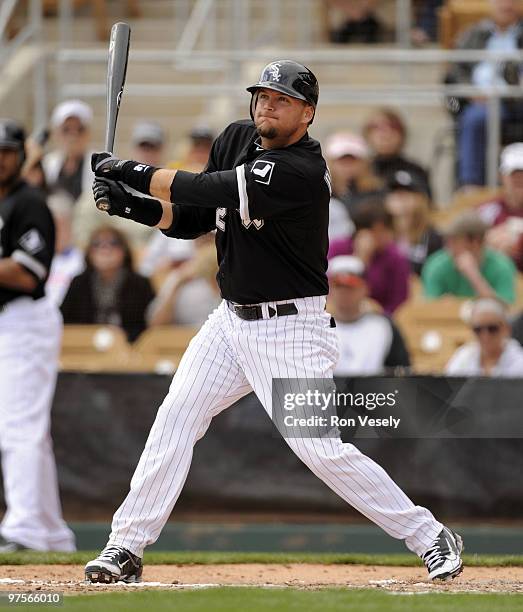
(351,180)
(68,167)
(494,353)
(370,343)
(148,141)
(504,214)
(148,147)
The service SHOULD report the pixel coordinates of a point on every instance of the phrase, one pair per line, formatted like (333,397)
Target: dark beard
(9,181)
(269,133)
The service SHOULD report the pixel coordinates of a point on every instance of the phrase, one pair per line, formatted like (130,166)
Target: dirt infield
(69,578)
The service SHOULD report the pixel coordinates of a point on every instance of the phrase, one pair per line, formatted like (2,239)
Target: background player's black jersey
(271,212)
(27,235)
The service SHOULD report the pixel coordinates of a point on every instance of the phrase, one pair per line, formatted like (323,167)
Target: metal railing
(228,63)
(400,92)
(31,32)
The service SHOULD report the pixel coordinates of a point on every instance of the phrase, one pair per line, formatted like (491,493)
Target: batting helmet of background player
(289,78)
(12,136)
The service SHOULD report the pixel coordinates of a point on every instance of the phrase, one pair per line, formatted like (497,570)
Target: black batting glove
(132,173)
(126,205)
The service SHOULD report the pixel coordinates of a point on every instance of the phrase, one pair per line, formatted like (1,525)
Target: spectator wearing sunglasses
(494,352)
(68,167)
(109,291)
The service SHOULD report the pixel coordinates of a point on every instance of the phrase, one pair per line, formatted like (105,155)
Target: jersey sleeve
(32,237)
(190,222)
(271,186)
(264,188)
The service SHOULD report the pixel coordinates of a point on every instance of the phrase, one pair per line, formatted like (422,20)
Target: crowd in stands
(386,246)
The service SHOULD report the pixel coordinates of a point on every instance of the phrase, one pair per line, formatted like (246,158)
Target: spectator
(387,268)
(370,343)
(466,267)
(148,140)
(196,157)
(502,32)
(517,328)
(504,215)
(162,251)
(190,293)
(426,22)
(386,135)
(408,203)
(351,175)
(148,144)
(68,168)
(109,291)
(68,260)
(494,353)
(358,22)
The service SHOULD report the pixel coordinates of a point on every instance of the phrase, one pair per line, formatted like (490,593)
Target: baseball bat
(116,71)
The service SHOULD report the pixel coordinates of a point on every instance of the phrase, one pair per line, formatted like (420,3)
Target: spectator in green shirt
(465,267)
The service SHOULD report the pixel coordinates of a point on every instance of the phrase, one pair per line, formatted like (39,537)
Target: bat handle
(103,205)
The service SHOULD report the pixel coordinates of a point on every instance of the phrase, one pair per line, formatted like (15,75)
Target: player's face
(9,166)
(279,116)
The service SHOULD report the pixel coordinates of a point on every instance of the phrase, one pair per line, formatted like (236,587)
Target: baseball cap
(346,270)
(405,180)
(148,132)
(340,144)
(511,158)
(72,108)
(201,132)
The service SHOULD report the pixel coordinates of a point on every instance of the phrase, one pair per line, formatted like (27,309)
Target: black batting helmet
(12,136)
(289,78)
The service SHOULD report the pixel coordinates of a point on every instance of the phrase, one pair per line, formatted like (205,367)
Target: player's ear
(308,113)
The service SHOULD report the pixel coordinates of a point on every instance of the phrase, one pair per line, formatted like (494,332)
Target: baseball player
(30,333)
(266,191)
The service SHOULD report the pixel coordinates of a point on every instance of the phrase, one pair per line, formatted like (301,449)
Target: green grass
(209,558)
(288,600)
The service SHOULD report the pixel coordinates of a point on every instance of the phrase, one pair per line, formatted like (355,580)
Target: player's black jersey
(27,235)
(271,212)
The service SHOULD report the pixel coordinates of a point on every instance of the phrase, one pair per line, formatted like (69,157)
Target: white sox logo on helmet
(274,71)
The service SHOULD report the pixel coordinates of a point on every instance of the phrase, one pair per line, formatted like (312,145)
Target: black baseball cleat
(114,564)
(443,558)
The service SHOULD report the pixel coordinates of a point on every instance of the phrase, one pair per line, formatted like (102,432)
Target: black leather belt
(255,312)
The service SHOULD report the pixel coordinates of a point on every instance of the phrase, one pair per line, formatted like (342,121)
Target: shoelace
(433,555)
(109,552)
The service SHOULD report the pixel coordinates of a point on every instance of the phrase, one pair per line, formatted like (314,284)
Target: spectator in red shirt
(387,268)
(504,215)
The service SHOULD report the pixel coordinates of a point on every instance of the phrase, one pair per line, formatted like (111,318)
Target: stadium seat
(94,348)
(100,12)
(456,16)
(433,330)
(160,349)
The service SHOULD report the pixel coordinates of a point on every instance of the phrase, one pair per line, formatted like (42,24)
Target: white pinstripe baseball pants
(227,359)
